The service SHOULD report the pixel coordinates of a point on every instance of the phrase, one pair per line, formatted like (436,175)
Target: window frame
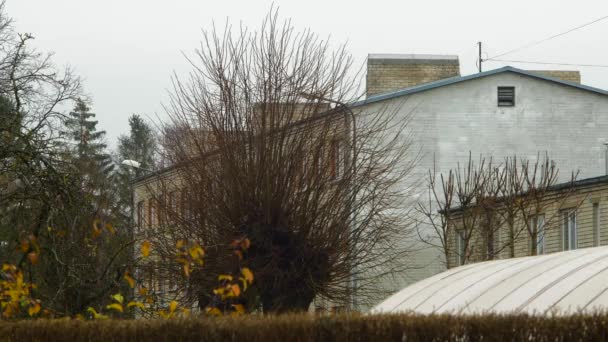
(538,221)
(569,230)
(596,224)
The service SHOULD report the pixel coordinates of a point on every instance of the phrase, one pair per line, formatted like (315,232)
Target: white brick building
(452,116)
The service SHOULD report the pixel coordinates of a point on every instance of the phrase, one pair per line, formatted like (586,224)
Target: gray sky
(127,50)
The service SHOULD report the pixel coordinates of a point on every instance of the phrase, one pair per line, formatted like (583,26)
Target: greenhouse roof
(562,283)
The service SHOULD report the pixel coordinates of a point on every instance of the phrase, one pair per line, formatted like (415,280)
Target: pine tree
(139,145)
(87,147)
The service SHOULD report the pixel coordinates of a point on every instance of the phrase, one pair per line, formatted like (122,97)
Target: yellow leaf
(172,306)
(129,280)
(245,244)
(95,314)
(25,246)
(180,244)
(115,306)
(149,300)
(196,252)
(118,297)
(32,310)
(247,274)
(219,291)
(110,228)
(224,277)
(137,304)
(79,317)
(143,291)
(244,281)
(145,248)
(236,289)
(213,311)
(239,308)
(187,270)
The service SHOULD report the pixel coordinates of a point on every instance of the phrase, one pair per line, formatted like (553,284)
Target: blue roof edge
(458,79)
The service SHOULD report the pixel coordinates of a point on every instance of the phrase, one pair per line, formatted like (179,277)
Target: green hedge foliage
(317,328)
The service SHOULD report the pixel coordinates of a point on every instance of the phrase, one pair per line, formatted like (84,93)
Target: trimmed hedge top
(402,327)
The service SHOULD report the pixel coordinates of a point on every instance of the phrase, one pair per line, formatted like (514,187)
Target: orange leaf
(239,254)
(143,291)
(239,308)
(145,248)
(32,310)
(187,270)
(32,257)
(129,280)
(96,232)
(236,289)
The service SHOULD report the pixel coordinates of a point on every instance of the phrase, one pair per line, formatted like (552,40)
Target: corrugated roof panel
(566,282)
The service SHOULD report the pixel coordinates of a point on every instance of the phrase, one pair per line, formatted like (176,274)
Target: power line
(549,63)
(548,38)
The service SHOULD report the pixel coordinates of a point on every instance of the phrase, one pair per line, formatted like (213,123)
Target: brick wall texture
(566,75)
(385,75)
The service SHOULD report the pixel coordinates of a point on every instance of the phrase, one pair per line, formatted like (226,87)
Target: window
(152,213)
(569,234)
(596,224)
(140,215)
(460,246)
(506,96)
(173,202)
(335,159)
(538,222)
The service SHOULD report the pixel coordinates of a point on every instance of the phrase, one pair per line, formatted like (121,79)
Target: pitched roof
(458,79)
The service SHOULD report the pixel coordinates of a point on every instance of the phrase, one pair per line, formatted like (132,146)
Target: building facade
(497,113)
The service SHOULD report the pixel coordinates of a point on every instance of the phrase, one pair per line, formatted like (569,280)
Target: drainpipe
(606,158)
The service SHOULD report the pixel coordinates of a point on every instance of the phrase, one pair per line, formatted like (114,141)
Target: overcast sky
(127,50)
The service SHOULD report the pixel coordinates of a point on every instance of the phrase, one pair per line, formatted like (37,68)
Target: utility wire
(549,63)
(548,38)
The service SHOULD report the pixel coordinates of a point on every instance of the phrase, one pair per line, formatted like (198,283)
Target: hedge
(317,328)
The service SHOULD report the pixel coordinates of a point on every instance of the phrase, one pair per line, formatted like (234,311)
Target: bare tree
(53,232)
(471,207)
(265,145)
(539,180)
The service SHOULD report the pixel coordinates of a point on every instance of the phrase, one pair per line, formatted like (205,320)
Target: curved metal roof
(564,282)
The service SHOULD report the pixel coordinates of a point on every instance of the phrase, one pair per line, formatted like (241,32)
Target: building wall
(581,201)
(448,123)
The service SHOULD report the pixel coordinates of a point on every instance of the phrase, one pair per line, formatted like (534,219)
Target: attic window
(506,96)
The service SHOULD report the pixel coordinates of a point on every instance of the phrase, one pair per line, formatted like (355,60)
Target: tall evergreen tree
(139,145)
(88,149)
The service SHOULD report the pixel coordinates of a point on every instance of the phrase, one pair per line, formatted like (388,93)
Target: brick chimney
(388,72)
(564,75)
